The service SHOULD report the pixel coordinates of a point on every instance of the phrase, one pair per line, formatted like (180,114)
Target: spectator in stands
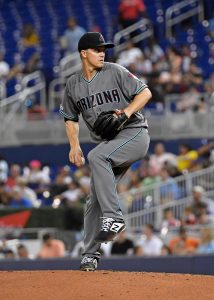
(201,106)
(160,158)
(188,217)
(134,180)
(207,243)
(174,58)
(69,40)
(150,178)
(150,243)
(169,189)
(171,76)
(35,174)
(82,175)
(27,192)
(22,252)
(71,197)
(195,74)
(9,254)
(183,244)
(200,201)
(204,218)
(142,67)
(165,250)
(51,248)
(14,173)
(3,168)
(61,181)
(129,56)
(138,250)
(4,194)
(124,183)
(157,89)
(4,68)
(169,220)
(32,64)
(186,57)
(130,182)
(189,100)
(209,85)
(153,51)
(130,11)
(30,37)
(64,175)
(188,157)
(122,245)
(18,201)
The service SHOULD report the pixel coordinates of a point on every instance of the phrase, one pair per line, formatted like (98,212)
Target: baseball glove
(109,123)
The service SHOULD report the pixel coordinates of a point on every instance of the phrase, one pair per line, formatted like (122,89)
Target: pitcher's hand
(76,157)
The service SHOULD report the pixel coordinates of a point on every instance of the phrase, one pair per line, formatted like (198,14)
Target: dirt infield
(75,285)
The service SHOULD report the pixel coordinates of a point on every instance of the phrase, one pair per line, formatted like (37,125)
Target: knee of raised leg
(94,156)
(91,156)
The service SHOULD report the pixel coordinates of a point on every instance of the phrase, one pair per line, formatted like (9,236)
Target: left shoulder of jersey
(113,66)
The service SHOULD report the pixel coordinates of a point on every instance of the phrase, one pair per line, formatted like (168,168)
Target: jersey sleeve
(68,108)
(130,84)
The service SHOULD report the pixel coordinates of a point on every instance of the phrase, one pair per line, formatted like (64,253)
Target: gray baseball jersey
(113,87)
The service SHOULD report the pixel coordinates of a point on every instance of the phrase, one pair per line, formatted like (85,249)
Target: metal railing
(171,102)
(146,204)
(17,104)
(39,85)
(55,93)
(69,64)
(195,8)
(143,29)
(2,90)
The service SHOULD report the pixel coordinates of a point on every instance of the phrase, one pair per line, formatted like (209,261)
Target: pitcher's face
(95,57)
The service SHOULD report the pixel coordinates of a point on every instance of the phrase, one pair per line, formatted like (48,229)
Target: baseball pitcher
(110,99)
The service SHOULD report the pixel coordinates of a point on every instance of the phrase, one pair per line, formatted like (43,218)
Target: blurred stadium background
(170,45)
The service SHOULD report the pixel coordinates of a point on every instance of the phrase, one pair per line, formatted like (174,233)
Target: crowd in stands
(172,69)
(35,185)
(49,248)
(180,241)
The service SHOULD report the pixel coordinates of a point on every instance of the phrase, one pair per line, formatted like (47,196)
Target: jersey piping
(141,89)
(89,81)
(67,116)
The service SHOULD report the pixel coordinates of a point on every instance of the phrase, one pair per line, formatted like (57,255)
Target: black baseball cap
(93,40)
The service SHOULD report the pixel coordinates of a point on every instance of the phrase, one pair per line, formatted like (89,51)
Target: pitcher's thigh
(130,145)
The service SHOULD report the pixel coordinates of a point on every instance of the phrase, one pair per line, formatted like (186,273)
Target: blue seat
(53,15)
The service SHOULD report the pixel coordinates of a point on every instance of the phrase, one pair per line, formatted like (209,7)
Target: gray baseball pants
(109,161)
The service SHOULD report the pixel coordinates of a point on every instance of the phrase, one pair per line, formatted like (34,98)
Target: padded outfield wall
(174,264)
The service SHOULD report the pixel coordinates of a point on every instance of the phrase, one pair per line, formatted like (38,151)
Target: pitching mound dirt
(75,285)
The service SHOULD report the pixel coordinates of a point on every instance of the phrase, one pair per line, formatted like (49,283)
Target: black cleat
(89,263)
(109,230)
